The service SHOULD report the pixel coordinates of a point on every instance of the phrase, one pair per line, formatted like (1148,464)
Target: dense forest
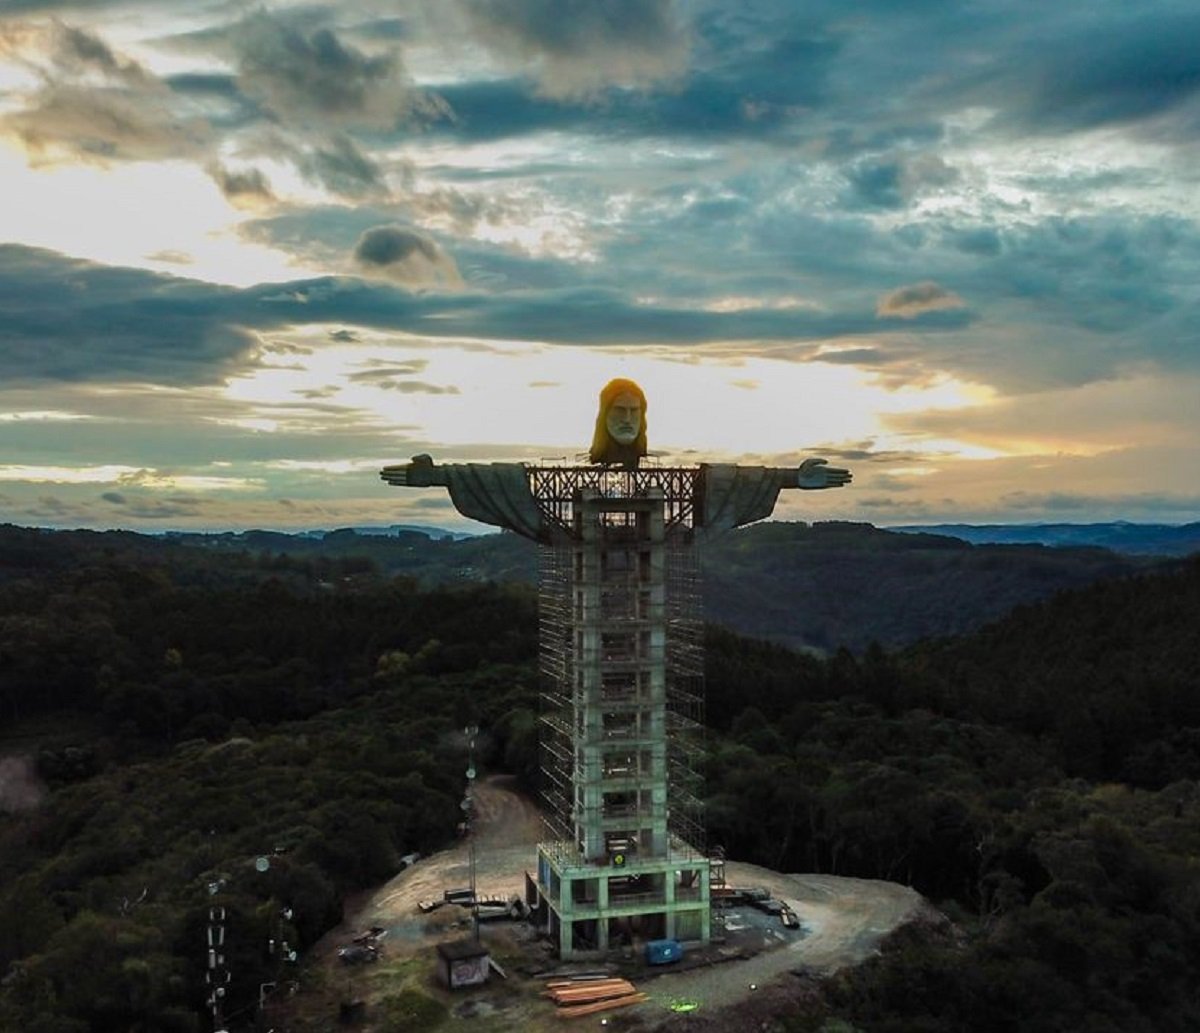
(181,711)
(817,587)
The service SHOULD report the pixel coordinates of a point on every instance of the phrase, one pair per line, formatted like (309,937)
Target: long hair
(604,449)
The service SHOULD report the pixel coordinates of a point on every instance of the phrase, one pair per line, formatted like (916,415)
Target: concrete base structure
(590,909)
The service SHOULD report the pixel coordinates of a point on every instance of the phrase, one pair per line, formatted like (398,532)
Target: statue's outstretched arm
(492,493)
(733,496)
(418,473)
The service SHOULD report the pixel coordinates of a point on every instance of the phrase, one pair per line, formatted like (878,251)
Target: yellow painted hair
(602,443)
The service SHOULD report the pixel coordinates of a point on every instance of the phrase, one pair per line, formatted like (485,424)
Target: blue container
(663,952)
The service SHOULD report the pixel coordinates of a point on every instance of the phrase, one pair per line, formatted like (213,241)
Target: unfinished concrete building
(622,667)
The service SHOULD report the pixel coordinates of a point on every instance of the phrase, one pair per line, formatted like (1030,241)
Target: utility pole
(468,806)
(278,949)
(217,976)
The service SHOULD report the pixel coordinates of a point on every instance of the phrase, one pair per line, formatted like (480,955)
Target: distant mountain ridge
(1119,535)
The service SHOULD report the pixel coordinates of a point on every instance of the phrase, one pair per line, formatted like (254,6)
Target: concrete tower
(626,870)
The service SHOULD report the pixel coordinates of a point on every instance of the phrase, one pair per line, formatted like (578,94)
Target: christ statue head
(620,435)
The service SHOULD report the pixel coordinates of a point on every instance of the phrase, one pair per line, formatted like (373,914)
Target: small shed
(463,963)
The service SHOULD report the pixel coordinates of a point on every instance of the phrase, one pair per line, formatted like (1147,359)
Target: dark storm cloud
(1131,64)
(1107,274)
(404,255)
(66,319)
(894,182)
(242,186)
(916,298)
(578,47)
(310,74)
(385,245)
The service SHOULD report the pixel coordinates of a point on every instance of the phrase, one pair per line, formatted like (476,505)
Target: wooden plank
(599,994)
(583,991)
(583,986)
(595,977)
(599,1006)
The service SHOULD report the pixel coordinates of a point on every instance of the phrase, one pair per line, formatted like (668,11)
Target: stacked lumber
(576,997)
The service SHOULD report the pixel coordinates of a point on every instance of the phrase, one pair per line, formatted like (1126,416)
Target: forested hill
(838,584)
(1039,780)
(169,714)
(818,587)
(1119,535)
(1110,672)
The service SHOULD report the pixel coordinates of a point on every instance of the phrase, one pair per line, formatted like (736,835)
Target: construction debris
(355,954)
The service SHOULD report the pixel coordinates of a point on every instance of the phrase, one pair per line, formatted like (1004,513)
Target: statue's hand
(417,474)
(817,473)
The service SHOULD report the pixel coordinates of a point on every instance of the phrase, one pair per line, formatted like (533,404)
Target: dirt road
(843,921)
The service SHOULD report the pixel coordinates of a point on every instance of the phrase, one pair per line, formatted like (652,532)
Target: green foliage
(955,768)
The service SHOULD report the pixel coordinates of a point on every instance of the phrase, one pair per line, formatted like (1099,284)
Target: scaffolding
(621,638)
(556,664)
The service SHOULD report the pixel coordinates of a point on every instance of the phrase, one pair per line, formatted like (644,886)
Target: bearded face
(620,436)
(624,418)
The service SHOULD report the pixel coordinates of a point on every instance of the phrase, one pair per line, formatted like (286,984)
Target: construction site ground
(752,959)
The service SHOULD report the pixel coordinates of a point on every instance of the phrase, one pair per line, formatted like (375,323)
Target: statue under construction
(622,664)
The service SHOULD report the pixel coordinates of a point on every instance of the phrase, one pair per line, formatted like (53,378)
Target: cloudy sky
(249,253)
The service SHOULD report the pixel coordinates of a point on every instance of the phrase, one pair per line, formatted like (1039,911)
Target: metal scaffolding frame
(556,488)
(685,688)
(557,665)
(559,492)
